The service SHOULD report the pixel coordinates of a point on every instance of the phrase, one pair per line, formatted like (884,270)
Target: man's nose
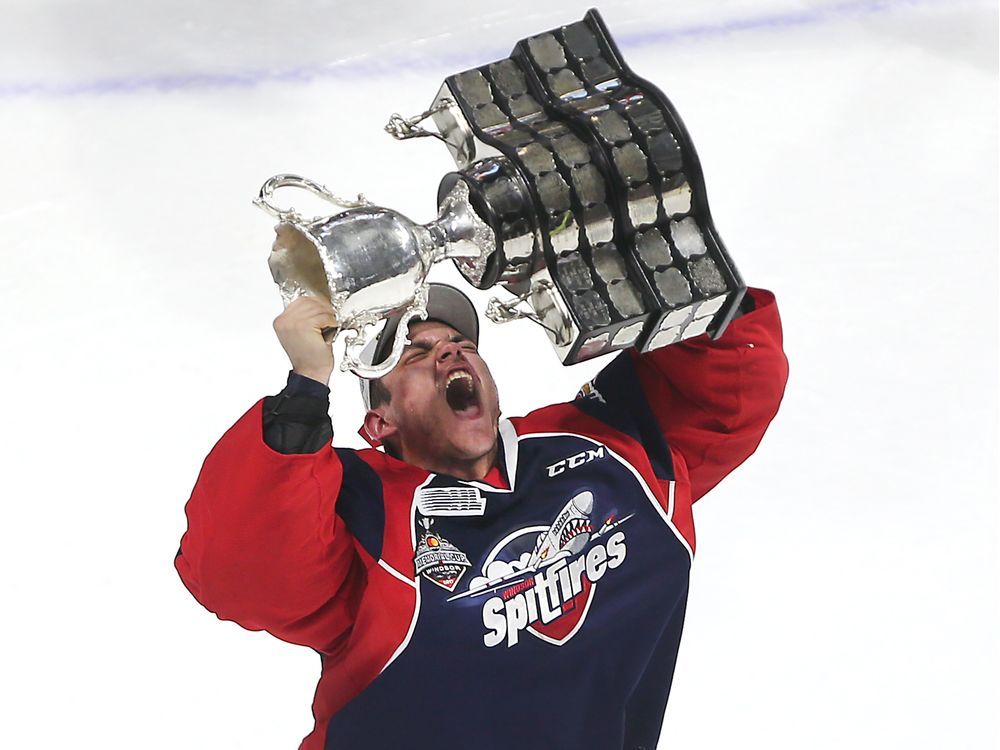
(448,350)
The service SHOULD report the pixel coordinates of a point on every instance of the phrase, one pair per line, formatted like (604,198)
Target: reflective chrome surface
(266,195)
(504,202)
(464,146)
(578,190)
(469,239)
(546,308)
(368,262)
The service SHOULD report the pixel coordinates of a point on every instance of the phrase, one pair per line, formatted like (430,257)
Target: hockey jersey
(539,607)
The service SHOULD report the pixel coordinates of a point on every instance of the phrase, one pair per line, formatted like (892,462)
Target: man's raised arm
(714,400)
(710,400)
(265,546)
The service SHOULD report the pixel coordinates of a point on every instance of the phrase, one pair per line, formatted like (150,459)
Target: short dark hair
(378,394)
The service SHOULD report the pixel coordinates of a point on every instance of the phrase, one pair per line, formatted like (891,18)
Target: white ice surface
(844,593)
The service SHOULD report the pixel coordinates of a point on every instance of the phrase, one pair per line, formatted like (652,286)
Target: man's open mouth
(460,393)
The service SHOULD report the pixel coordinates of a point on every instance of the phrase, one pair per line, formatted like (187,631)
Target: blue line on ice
(366,67)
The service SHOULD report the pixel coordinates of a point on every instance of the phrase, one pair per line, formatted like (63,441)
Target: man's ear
(378,427)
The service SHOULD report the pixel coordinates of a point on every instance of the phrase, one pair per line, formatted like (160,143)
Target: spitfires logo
(438,560)
(541,579)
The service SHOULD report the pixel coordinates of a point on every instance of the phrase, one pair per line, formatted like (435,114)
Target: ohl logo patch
(542,579)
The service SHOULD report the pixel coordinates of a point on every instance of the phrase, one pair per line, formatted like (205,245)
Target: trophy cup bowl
(368,262)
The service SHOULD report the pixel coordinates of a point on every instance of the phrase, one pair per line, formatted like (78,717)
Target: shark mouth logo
(546,588)
(574,528)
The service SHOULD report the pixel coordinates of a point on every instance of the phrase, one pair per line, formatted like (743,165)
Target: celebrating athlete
(478,582)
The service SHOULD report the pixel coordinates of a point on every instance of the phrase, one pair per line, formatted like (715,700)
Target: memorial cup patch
(438,560)
(542,578)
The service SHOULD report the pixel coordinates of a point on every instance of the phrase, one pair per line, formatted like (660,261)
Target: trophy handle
(263,200)
(356,340)
(402,128)
(504,312)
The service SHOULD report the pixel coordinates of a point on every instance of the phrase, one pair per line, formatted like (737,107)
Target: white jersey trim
(416,584)
(396,574)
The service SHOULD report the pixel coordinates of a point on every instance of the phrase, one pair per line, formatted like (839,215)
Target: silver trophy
(368,262)
(578,191)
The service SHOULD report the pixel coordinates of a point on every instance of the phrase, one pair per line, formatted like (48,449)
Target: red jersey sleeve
(264,545)
(713,400)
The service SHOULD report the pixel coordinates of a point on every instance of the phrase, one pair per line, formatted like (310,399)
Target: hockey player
(483,582)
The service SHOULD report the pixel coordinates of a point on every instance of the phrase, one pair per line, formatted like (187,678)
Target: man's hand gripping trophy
(306,329)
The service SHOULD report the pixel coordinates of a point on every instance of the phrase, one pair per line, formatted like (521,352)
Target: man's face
(444,406)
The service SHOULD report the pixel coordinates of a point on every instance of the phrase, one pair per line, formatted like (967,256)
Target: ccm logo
(573,461)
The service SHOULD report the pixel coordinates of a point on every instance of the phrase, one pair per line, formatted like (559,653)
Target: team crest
(438,560)
(541,579)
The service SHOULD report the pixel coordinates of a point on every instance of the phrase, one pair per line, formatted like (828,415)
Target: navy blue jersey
(539,607)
